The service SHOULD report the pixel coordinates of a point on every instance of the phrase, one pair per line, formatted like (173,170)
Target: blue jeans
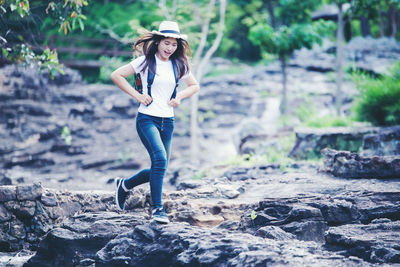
(155,134)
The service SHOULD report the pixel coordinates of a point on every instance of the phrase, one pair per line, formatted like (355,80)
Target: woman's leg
(139,178)
(151,139)
(155,134)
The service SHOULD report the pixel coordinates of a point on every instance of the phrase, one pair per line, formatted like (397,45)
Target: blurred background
(272,74)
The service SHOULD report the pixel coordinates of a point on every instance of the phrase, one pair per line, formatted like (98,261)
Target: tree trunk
(393,20)
(164,9)
(270,9)
(200,65)
(194,100)
(283,106)
(365,27)
(381,24)
(347,29)
(339,56)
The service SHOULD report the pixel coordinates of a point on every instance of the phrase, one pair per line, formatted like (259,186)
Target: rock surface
(308,218)
(28,212)
(383,143)
(353,165)
(76,241)
(310,141)
(183,245)
(377,242)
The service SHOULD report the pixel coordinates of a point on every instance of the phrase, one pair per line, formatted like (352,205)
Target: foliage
(275,153)
(114,20)
(24,54)
(235,43)
(17,14)
(286,39)
(287,32)
(378,102)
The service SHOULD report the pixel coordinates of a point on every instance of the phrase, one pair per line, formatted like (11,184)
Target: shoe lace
(158,211)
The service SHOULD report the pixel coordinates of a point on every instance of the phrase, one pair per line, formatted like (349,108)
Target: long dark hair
(147,44)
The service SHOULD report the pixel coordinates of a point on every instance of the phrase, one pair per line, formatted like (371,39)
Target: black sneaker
(159,216)
(120,193)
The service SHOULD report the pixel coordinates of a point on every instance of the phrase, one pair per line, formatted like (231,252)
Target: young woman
(164,57)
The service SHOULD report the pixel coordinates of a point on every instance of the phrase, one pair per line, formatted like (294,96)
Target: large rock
(308,217)
(77,240)
(28,212)
(83,229)
(353,165)
(179,244)
(385,142)
(377,242)
(29,83)
(302,221)
(310,141)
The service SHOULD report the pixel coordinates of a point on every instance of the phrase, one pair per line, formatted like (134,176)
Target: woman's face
(166,48)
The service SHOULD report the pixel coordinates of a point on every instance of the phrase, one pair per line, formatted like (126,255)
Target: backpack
(150,79)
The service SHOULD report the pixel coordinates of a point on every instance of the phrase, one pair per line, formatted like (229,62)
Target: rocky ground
(62,142)
(247,217)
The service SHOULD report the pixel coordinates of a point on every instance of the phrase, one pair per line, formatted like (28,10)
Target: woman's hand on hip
(144,99)
(174,102)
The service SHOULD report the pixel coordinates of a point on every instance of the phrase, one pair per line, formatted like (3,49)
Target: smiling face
(166,48)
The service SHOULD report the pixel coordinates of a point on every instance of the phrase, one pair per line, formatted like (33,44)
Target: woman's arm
(192,88)
(119,78)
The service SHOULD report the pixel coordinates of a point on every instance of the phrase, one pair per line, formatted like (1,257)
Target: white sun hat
(169,29)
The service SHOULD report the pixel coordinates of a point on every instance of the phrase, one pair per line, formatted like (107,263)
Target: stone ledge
(352,165)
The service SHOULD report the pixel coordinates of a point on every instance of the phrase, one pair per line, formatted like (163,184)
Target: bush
(379,100)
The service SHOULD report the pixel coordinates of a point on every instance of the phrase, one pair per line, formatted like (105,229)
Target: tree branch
(163,6)
(204,33)
(217,41)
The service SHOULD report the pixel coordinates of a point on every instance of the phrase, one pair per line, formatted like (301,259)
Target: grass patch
(276,152)
(199,175)
(329,121)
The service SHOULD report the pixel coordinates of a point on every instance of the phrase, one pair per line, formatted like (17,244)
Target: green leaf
(65,131)
(5,52)
(253,215)
(81,24)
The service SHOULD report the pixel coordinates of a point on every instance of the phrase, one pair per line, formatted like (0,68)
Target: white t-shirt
(162,88)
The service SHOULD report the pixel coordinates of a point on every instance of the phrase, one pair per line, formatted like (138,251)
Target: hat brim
(173,35)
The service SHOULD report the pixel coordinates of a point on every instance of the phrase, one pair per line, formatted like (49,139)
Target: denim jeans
(155,134)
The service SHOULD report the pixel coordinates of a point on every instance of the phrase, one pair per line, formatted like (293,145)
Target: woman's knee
(160,160)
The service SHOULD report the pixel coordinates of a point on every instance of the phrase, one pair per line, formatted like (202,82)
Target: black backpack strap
(175,68)
(151,72)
